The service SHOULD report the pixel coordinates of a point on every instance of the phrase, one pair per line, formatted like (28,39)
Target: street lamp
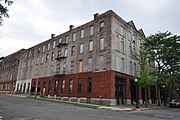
(164,95)
(137,101)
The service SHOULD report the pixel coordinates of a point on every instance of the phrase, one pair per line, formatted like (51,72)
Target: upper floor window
(101,62)
(64,68)
(81,48)
(122,46)
(72,66)
(80,65)
(53,56)
(59,53)
(43,48)
(122,30)
(65,52)
(131,67)
(102,24)
(101,43)
(51,70)
(42,59)
(130,49)
(91,30)
(135,69)
(82,33)
(91,45)
(60,40)
(129,36)
(47,57)
(66,39)
(72,50)
(54,44)
(122,65)
(74,37)
(90,64)
(49,46)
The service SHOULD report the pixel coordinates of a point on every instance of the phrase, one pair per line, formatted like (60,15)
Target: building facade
(91,63)
(8,72)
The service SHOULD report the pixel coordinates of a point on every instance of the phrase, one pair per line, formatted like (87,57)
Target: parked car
(175,103)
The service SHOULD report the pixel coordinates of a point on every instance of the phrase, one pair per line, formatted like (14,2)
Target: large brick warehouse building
(90,63)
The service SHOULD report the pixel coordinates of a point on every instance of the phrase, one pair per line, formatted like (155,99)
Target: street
(17,108)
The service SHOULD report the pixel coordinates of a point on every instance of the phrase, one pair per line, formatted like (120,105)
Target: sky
(33,21)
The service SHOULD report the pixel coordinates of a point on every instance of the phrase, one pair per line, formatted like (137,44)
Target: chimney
(52,36)
(71,27)
(95,15)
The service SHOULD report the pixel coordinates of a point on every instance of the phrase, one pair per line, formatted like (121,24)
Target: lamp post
(164,95)
(137,101)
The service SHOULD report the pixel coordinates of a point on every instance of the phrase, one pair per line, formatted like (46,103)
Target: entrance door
(120,90)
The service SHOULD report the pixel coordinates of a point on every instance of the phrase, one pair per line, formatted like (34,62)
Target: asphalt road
(16,108)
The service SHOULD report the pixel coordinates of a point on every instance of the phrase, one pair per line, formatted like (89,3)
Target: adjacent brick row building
(90,63)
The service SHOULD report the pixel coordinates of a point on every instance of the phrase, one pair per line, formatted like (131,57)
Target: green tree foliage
(4,9)
(145,78)
(165,50)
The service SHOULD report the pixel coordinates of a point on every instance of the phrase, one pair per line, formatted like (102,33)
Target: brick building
(8,71)
(90,63)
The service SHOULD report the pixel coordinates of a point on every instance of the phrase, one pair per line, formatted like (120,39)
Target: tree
(4,9)
(165,51)
(145,79)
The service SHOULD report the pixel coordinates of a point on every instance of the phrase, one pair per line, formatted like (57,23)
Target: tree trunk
(146,97)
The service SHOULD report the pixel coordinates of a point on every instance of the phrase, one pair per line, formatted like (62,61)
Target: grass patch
(67,102)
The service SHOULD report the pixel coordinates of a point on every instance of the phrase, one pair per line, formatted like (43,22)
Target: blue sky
(33,21)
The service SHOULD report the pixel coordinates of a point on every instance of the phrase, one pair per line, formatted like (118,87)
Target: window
(65,52)
(102,24)
(54,44)
(72,66)
(49,87)
(63,86)
(37,61)
(79,85)
(66,39)
(117,44)
(46,71)
(51,70)
(91,45)
(129,36)
(59,53)
(89,85)
(72,50)
(64,68)
(49,46)
(101,43)
(42,59)
(81,48)
(82,33)
(74,37)
(60,40)
(56,87)
(130,49)
(122,65)
(90,64)
(101,62)
(43,48)
(122,30)
(131,67)
(53,56)
(122,46)
(70,85)
(47,57)
(91,30)
(134,48)
(80,65)
(57,69)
